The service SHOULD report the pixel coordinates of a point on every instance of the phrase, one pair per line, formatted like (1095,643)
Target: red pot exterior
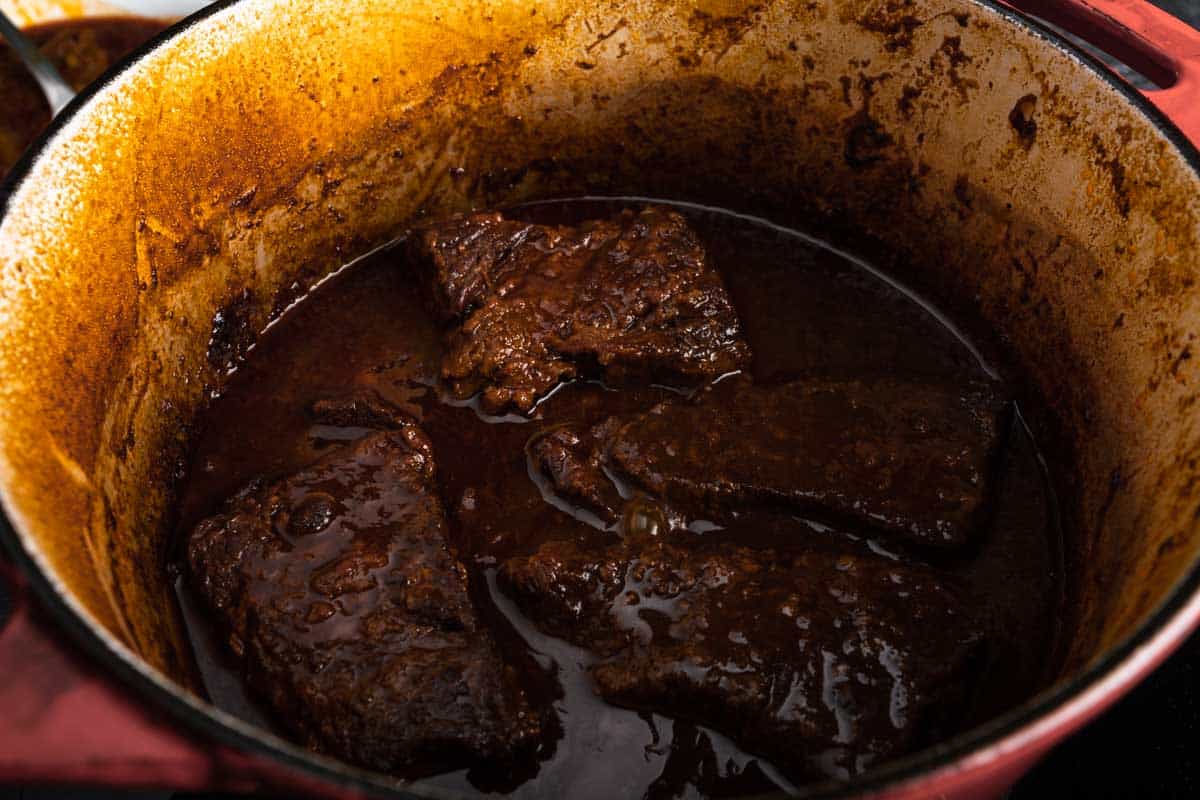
(66,721)
(1160,46)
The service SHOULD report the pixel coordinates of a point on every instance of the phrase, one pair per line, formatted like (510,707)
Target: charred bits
(866,140)
(892,19)
(964,195)
(1116,175)
(232,332)
(908,96)
(1022,121)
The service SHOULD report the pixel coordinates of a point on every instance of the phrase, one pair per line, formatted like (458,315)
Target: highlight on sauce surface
(617,498)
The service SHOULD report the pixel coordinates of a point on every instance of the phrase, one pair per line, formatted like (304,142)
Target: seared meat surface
(911,460)
(351,615)
(823,656)
(572,458)
(627,298)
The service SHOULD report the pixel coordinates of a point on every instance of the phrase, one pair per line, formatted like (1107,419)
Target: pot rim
(1027,729)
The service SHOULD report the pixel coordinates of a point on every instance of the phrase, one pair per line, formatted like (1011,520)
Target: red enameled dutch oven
(253,148)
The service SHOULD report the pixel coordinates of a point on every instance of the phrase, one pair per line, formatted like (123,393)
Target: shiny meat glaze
(914,460)
(628,299)
(351,616)
(826,658)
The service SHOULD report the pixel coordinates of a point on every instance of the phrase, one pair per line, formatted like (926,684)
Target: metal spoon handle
(57,91)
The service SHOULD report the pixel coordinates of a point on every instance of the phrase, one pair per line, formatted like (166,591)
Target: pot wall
(201,191)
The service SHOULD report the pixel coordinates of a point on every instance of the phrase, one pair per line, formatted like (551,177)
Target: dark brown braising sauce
(804,309)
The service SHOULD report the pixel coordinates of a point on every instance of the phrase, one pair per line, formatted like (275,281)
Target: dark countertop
(1148,745)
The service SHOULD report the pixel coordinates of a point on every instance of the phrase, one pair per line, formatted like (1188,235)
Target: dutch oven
(252,149)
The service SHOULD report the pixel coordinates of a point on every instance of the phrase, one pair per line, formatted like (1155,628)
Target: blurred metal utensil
(57,91)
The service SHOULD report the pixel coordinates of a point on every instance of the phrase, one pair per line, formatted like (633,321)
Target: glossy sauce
(804,308)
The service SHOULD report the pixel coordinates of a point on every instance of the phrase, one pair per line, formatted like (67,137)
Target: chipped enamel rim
(981,758)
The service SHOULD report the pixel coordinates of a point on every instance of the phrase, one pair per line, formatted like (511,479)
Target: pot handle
(1163,48)
(63,722)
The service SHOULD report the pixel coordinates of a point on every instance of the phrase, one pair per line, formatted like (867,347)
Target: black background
(1148,745)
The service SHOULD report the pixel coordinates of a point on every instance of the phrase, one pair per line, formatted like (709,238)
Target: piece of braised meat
(627,298)
(572,459)
(912,460)
(823,657)
(350,614)
(363,408)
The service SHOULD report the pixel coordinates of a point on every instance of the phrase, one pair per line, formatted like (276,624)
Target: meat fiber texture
(351,615)
(625,299)
(825,659)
